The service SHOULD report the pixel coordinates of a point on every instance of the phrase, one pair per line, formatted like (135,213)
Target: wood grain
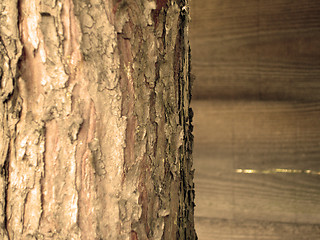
(232,135)
(257,67)
(252,49)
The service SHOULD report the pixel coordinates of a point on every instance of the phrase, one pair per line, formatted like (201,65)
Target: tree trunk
(95,123)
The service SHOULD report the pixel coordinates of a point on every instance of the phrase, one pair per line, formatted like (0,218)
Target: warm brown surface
(95,132)
(256,49)
(259,136)
(256,104)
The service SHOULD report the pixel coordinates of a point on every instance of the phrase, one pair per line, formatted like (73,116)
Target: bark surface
(95,123)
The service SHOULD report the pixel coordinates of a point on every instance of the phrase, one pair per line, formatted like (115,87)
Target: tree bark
(95,123)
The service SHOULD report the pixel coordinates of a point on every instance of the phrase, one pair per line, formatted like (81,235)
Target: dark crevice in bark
(5,171)
(190,77)
(186,207)
(177,74)
(42,179)
(160,4)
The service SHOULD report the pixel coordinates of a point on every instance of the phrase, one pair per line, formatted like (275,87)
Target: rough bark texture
(95,123)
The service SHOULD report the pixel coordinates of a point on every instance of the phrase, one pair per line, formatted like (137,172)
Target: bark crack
(4,95)
(5,171)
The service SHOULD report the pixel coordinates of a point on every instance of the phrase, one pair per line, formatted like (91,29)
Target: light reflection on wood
(277,170)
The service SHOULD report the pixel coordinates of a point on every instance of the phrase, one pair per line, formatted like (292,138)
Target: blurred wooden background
(257,107)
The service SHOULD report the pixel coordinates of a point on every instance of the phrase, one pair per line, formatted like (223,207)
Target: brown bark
(95,120)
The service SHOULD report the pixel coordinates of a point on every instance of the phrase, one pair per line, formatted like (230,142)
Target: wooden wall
(256,100)
(256,49)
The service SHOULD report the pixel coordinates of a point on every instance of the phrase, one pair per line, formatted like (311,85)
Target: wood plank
(260,134)
(224,229)
(257,135)
(253,49)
